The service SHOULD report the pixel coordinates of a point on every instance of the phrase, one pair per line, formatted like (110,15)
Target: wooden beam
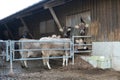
(9,31)
(21,16)
(50,6)
(56,19)
(25,27)
(54,3)
(24,24)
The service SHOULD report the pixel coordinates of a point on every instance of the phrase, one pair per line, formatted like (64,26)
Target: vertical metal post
(11,64)
(22,48)
(11,72)
(7,52)
(73,56)
(13,52)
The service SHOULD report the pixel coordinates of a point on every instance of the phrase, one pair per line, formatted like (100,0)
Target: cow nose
(65,35)
(82,32)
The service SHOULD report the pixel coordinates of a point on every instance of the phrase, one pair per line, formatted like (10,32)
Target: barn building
(101,15)
(49,16)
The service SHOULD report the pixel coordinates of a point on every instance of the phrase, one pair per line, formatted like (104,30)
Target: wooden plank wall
(33,22)
(105,17)
(105,20)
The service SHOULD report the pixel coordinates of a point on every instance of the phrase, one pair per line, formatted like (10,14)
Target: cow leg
(66,59)
(63,61)
(27,56)
(44,59)
(48,64)
(25,64)
(47,59)
(22,65)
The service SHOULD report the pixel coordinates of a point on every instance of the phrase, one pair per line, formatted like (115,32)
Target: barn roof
(23,18)
(24,11)
(30,10)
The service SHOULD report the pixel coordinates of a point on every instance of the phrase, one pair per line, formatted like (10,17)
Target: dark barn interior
(102,16)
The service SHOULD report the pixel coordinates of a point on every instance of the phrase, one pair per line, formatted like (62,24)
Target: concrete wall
(108,49)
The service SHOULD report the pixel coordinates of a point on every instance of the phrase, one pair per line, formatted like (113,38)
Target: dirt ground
(81,70)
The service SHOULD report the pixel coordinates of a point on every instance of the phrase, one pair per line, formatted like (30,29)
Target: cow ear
(86,25)
(59,36)
(80,40)
(76,26)
(69,29)
(61,30)
(77,41)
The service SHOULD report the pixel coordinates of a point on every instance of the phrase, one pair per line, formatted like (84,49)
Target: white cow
(55,43)
(23,44)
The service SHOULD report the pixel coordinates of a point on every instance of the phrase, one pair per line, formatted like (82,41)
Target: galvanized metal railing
(22,42)
(39,49)
(10,50)
(4,45)
(87,44)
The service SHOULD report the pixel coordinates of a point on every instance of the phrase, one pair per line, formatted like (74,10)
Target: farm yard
(81,70)
(92,26)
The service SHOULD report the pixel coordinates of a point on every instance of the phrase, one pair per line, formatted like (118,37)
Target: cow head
(82,29)
(67,31)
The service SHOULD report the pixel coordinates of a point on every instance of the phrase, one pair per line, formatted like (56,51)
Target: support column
(56,19)
(9,31)
(25,27)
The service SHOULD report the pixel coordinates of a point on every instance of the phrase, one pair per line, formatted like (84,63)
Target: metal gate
(4,51)
(88,43)
(23,42)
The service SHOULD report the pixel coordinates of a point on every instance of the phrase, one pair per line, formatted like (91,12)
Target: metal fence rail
(88,44)
(11,50)
(4,50)
(22,42)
